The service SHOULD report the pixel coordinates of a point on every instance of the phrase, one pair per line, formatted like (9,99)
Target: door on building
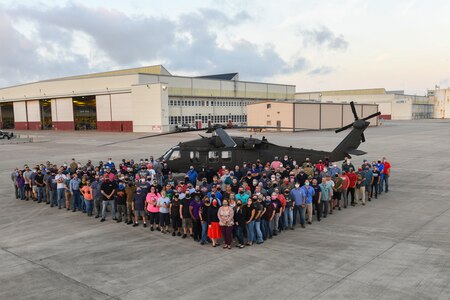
(46,114)
(279,124)
(7,115)
(85,113)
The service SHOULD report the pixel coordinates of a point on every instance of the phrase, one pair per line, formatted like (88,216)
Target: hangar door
(85,113)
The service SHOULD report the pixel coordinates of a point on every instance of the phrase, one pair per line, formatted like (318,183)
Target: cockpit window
(172,154)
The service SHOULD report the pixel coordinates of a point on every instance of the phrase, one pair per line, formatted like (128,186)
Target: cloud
(112,39)
(324,70)
(324,37)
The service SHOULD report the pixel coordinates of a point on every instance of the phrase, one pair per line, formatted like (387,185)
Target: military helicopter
(221,149)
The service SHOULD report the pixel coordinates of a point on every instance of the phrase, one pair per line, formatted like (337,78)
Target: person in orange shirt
(87,193)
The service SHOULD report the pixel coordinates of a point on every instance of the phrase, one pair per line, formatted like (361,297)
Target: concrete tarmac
(396,247)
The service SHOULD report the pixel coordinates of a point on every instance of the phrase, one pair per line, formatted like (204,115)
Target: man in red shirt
(353,178)
(387,173)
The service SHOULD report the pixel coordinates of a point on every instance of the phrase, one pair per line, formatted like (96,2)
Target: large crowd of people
(249,203)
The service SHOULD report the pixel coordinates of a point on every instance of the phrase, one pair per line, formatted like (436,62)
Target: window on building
(269,106)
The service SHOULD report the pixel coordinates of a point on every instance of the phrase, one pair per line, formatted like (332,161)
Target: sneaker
(135,224)
(152,229)
(179,234)
(241,246)
(102,220)
(309,223)
(184,236)
(129,222)
(339,208)
(292,228)
(173,233)
(303,226)
(202,243)
(119,221)
(97,216)
(145,225)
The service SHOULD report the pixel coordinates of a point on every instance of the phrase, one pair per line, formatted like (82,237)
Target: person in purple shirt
(194,210)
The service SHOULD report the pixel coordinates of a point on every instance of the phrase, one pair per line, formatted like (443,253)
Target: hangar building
(395,105)
(307,115)
(147,99)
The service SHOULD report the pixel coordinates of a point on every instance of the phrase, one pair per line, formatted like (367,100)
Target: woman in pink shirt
(151,203)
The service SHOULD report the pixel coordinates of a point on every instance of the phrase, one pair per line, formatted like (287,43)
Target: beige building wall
(33,110)
(330,116)
(402,109)
(150,108)
(122,108)
(103,103)
(272,114)
(307,116)
(442,104)
(20,111)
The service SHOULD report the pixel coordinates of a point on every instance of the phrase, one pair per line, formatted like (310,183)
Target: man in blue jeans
(308,193)
(297,196)
(60,188)
(75,191)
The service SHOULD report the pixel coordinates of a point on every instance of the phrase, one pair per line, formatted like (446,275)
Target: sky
(313,44)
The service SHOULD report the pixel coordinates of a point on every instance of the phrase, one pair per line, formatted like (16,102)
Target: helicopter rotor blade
(225,138)
(343,128)
(352,105)
(372,115)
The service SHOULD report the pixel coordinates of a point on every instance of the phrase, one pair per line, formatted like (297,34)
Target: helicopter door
(226,156)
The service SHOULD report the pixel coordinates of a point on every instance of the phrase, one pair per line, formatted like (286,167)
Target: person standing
(138,207)
(67,191)
(239,223)
(204,219)
(75,192)
(375,182)
(121,202)
(20,184)
(289,211)
(27,178)
(337,191)
(387,173)
(51,181)
(352,185)
(268,217)
(259,212)
(194,210)
(214,231)
(250,220)
(185,215)
(163,204)
(345,184)
(175,214)
(40,186)
(60,188)
(297,196)
(308,193)
(324,197)
(226,222)
(152,208)
(108,190)
(360,187)
(130,190)
(88,195)
(316,200)
(13,179)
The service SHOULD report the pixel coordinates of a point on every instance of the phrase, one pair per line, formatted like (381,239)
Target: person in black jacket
(175,214)
(239,223)
(204,211)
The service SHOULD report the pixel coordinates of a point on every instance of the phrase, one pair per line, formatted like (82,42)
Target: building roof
(157,69)
(226,76)
(374,91)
